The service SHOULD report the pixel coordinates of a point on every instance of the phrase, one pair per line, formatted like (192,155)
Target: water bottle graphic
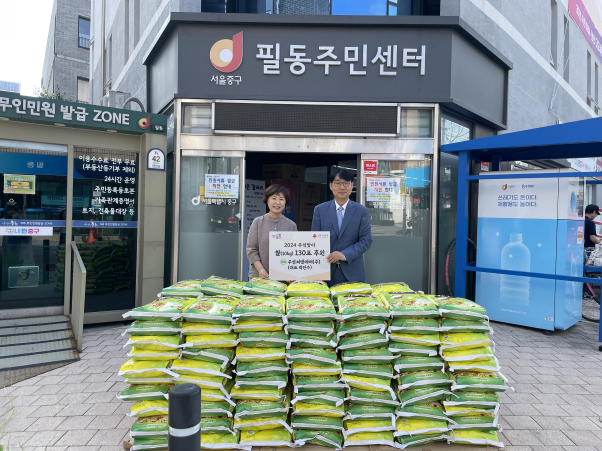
(515,257)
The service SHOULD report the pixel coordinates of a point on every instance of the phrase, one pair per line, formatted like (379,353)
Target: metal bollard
(185,418)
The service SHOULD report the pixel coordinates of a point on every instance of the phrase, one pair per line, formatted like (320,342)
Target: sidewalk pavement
(557,405)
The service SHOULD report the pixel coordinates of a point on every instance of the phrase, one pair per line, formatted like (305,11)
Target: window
(83,90)
(589,79)
(386,7)
(554,35)
(416,124)
(219,6)
(197,119)
(83,33)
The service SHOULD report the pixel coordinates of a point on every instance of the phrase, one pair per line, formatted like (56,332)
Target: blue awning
(579,139)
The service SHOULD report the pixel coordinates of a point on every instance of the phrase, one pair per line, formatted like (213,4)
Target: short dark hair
(592,208)
(342,173)
(276,189)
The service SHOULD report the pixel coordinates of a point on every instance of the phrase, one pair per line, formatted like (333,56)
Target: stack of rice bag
(363,338)
(261,388)
(155,340)
(318,405)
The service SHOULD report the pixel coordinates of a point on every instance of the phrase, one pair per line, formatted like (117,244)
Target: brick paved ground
(557,405)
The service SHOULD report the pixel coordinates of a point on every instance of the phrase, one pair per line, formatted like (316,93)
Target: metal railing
(78,297)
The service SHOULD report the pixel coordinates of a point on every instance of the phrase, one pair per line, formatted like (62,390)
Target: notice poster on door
(299,255)
(383,189)
(221,186)
(19,184)
(254,207)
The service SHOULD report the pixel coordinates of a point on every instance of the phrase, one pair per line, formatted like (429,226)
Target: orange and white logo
(504,186)
(226,55)
(144,123)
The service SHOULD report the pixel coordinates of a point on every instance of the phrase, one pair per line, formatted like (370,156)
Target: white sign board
(221,186)
(155,160)
(25,231)
(299,255)
(383,189)
(254,207)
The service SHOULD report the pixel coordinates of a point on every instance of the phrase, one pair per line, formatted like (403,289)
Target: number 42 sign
(155,160)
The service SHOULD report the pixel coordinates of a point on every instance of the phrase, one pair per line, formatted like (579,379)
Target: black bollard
(185,418)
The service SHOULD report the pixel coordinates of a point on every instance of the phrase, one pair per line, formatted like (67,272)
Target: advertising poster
(588,15)
(299,256)
(26,231)
(383,189)
(19,184)
(221,186)
(254,207)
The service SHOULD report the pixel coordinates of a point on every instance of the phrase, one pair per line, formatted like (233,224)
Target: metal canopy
(580,139)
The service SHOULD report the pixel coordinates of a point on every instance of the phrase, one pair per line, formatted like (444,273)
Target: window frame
(79,36)
(77,89)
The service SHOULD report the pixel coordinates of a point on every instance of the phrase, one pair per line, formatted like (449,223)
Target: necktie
(340,216)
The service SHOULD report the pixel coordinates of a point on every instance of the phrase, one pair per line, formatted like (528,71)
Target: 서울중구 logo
(144,123)
(226,55)
(504,186)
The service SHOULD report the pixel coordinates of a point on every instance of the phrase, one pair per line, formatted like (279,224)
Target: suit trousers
(336,276)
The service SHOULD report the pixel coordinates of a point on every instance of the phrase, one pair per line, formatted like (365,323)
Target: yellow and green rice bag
(308,288)
(262,368)
(362,426)
(391,287)
(198,328)
(155,342)
(411,325)
(312,356)
(150,427)
(458,308)
(417,339)
(309,409)
(260,393)
(219,286)
(262,423)
(384,372)
(369,383)
(370,397)
(471,437)
(211,309)
(461,341)
(466,325)
(471,399)
(149,408)
(219,441)
(184,288)
(223,356)
(371,356)
(328,439)
(310,308)
(244,354)
(312,341)
(270,437)
(370,439)
(202,341)
(207,383)
(417,363)
(347,288)
(190,367)
(412,305)
(369,413)
(259,308)
(468,381)
(427,411)
(482,353)
(145,369)
(216,426)
(317,422)
(145,354)
(465,411)
(273,380)
(416,426)
(422,395)
(266,325)
(323,397)
(209,394)
(481,366)
(487,422)
(255,408)
(144,393)
(153,328)
(400,348)
(260,286)
(308,384)
(356,307)
(362,326)
(415,379)
(311,327)
(162,309)
(216,409)
(149,444)
(277,339)
(300,369)
(363,341)
(409,441)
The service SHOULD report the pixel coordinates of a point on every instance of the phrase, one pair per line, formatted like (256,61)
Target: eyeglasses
(346,184)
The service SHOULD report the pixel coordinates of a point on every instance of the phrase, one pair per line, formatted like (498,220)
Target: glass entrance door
(397,194)
(211,214)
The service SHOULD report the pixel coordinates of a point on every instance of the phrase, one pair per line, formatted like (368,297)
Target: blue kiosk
(529,268)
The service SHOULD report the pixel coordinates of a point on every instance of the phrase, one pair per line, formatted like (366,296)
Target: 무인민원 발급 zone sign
(299,256)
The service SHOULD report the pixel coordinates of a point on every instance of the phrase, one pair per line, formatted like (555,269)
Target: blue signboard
(107,224)
(34,164)
(30,223)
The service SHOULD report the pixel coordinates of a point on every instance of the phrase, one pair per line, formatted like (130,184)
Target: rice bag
(216,426)
(458,308)
(149,444)
(384,372)
(365,412)
(274,381)
(482,353)
(312,356)
(252,408)
(204,341)
(475,423)
(162,309)
(262,423)
(144,393)
(325,397)
(308,384)
(370,397)
(460,341)
(259,308)
(260,286)
(426,411)
(308,288)
(465,325)
(266,325)
(216,409)
(210,394)
(309,308)
(371,356)
(270,437)
(223,384)
(408,441)
(223,356)
(166,380)
(319,422)
(329,439)
(489,365)
(412,305)
(454,412)
(259,393)
(300,369)
(315,328)
(153,328)
(358,307)
(422,395)
(155,342)
(260,369)
(150,427)
(312,341)
(401,348)
(221,441)
(145,354)
(369,383)
(360,426)
(363,341)
(145,369)
(309,409)
(347,288)
(367,325)
(414,325)
(198,328)
(216,286)
(416,426)
(470,399)
(370,438)
(470,437)
(278,339)
(391,287)
(191,367)
(149,408)
(415,363)
(417,339)
(184,288)
(215,310)
(258,354)
(417,379)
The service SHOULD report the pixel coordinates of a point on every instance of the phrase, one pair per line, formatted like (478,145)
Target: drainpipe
(102,52)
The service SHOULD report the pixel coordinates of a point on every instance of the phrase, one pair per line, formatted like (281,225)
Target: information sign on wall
(383,189)
(221,186)
(299,255)
(254,207)
(19,184)
(370,166)
(155,160)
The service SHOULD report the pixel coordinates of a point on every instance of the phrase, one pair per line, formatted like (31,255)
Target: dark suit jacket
(353,240)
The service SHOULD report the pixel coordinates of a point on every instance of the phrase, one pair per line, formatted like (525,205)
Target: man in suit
(349,225)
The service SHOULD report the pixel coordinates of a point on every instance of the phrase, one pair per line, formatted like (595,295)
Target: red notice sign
(370,166)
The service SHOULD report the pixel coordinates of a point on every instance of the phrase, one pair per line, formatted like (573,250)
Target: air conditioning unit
(115,99)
